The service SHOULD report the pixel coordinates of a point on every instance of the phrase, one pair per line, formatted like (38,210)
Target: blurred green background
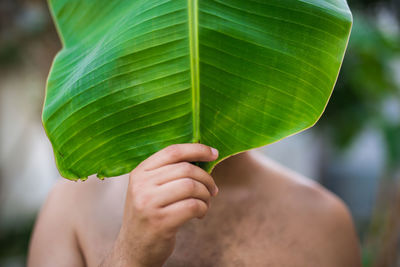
(354,150)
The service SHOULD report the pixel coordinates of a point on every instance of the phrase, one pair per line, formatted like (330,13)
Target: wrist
(120,256)
(127,253)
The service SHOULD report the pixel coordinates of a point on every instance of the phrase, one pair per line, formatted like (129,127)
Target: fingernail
(214,151)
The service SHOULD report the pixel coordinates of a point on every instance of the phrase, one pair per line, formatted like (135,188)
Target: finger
(179,170)
(180,189)
(180,212)
(180,152)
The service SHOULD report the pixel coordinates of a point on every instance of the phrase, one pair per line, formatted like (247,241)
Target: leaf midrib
(194,66)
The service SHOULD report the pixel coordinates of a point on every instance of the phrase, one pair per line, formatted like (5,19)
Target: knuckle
(186,169)
(137,168)
(173,151)
(193,205)
(141,202)
(137,178)
(188,185)
(134,188)
(207,194)
(133,175)
(202,210)
(204,149)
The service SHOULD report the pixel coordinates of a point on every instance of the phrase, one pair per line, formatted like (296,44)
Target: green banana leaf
(136,76)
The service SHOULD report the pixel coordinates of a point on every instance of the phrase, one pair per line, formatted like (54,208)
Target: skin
(169,212)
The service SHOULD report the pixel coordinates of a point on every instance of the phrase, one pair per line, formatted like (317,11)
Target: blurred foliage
(367,91)
(23,22)
(14,242)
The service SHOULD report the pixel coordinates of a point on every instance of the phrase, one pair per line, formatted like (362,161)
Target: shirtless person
(263,215)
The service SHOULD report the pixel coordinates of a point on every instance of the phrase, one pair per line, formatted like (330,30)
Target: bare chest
(221,241)
(239,232)
(242,231)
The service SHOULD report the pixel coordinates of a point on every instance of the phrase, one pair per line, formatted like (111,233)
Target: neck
(232,171)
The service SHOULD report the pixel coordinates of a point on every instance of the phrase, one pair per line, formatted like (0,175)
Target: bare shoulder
(316,215)
(70,197)
(55,239)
